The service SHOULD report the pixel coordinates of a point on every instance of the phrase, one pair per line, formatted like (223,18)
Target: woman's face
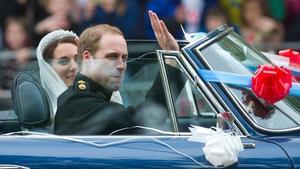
(64,62)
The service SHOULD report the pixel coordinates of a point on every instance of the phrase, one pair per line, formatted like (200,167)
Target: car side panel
(265,154)
(116,152)
(291,145)
(134,153)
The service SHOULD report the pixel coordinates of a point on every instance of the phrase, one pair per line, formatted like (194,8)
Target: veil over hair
(50,80)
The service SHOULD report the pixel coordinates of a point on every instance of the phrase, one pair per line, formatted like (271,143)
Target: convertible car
(270,133)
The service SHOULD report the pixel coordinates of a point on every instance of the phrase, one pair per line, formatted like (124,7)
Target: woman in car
(57,55)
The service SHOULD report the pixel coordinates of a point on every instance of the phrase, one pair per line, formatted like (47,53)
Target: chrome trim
(201,86)
(219,97)
(215,38)
(239,124)
(195,82)
(95,137)
(248,145)
(239,104)
(12,166)
(207,42)
(166,86)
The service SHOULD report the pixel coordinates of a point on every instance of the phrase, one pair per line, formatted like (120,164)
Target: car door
(202,107)
(291,146)
(35,151)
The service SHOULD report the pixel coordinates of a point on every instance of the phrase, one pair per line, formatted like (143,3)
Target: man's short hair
(90,37)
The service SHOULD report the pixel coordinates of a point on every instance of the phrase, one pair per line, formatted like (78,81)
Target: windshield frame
(193,50)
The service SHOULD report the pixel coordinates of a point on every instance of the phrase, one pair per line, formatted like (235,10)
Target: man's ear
(86,55)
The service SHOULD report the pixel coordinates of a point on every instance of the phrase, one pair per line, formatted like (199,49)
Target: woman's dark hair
(48,52)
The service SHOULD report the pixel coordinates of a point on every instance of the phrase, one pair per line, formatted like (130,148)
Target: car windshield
(231,54)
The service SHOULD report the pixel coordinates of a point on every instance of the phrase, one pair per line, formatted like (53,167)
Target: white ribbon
(221,149)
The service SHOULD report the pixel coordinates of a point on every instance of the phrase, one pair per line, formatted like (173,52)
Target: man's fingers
(171,43)
(155,22)
(152,20)
(164,28)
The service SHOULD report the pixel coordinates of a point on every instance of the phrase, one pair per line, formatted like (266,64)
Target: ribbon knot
(272,83)
(293,55)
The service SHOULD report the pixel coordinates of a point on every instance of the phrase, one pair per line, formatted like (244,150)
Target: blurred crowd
(25,22)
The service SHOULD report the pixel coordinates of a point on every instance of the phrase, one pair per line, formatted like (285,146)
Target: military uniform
(85,109)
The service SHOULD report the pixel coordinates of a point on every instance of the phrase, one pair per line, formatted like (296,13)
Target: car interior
(30,110)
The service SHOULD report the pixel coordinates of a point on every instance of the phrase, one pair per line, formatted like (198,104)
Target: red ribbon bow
(293,55)
(272,83)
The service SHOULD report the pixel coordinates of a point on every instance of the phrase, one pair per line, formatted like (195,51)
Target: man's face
(108,64)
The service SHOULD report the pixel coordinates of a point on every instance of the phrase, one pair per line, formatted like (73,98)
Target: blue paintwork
(292,147)
(140,153)
(265,155)
(134,154)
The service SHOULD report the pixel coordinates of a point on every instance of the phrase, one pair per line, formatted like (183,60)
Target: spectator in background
(215,17)
(16,33)
(293,33)
(164,9)
(94,12)
(31,11)
(178,18)
(277,9)
(233,10)
(1,38)
(12,8)
(257,27)
(58,16)
(292,8)
(125,14)
(196,13)
(128,18)
(292,20)
(17,50)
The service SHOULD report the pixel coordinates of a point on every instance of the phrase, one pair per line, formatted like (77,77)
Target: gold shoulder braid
(81,84)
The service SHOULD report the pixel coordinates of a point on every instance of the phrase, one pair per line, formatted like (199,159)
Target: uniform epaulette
(81,85)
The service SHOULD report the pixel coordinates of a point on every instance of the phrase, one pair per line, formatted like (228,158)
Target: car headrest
(30,101)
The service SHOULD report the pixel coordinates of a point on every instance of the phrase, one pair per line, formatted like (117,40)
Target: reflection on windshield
(231,54)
